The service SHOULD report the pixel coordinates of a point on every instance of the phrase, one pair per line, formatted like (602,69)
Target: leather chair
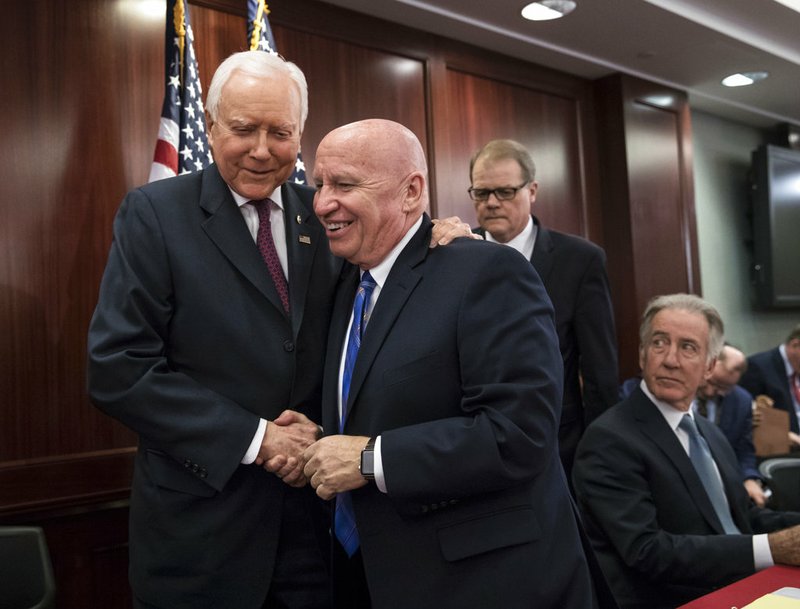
(26,574)
(782,476)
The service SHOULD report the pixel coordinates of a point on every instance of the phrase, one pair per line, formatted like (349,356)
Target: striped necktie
(344,518)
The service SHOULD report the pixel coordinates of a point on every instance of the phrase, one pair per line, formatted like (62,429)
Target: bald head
(729,368)
(371,179)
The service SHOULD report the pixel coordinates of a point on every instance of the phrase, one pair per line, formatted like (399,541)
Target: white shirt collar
(275,196)
(672,415)
(381,270)
(789,369)
(523,242)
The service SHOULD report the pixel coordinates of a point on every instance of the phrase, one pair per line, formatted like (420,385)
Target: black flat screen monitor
(776,226)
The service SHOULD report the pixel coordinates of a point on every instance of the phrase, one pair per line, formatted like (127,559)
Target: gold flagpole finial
(179,21)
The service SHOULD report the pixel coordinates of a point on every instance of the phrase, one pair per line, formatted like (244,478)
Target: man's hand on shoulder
(447,229)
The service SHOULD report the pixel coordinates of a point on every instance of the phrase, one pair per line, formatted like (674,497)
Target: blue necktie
(344,519)
(703,462)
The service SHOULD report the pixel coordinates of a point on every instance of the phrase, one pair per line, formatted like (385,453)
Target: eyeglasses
(504,193)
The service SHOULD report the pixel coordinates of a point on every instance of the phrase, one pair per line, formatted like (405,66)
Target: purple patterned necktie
(266,246)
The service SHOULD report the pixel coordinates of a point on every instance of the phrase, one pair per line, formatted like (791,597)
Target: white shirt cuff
(255,444)
(380,481)
(762,555)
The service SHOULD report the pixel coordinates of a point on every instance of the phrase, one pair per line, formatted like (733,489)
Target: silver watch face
(367,463)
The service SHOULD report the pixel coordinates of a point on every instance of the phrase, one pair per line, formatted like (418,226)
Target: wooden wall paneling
(349,82)
(481,109)
(647,187)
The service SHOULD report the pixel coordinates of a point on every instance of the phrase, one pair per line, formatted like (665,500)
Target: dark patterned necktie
(344,519)
(266,245)
(703,463)
(702,406)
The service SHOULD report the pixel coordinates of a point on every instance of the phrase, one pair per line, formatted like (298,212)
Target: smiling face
(504,220)
(256,136)
(370,180)
(674,356)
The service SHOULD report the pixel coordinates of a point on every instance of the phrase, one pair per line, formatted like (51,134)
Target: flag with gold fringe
(260,38)
(182,146)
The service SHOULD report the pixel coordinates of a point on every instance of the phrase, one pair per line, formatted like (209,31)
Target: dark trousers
(350,589)
(301,578)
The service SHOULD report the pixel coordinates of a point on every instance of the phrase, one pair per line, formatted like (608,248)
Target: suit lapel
(542,257)
(226,227)
(302,241)
(343,305)
(400,284)
(656,428)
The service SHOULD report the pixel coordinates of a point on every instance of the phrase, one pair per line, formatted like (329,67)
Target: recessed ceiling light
(742,79)
(544,10)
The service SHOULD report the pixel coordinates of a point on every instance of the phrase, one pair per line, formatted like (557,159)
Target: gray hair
(498,150)
(259,64)
(685,302)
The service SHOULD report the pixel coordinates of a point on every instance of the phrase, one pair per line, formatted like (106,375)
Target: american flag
(182,146)
(260,37)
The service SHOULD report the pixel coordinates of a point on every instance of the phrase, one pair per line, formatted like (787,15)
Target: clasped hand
(284,442)
(332,464)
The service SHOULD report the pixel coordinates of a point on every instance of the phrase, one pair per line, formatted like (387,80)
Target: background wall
(721,164)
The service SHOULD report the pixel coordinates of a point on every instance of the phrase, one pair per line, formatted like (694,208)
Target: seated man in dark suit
(663,502)
(445,391)
(722,401)
(776,373)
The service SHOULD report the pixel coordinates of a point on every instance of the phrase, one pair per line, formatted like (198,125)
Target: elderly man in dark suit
(776,373)
(573,271)
(660,488)
(444,378)
(196,344)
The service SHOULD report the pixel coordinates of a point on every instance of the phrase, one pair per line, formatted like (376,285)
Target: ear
(709,369)
(415,193)
(209,124)
(642,358)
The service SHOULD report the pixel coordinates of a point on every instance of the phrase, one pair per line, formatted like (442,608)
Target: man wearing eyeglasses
(573,271)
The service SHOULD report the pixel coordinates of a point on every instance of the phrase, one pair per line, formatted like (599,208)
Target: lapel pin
(299,219)
(304,239)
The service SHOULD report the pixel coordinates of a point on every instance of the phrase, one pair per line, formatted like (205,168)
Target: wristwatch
(367,465)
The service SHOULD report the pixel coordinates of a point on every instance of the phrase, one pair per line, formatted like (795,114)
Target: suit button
(187,463)
(203,473)
(288,346)
(195,468)
(434,506)
(424,509)
(443,504)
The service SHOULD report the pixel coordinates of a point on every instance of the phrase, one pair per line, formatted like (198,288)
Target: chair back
(26,574)
(782,476)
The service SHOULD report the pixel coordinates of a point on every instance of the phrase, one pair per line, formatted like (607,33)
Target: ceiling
(686,44)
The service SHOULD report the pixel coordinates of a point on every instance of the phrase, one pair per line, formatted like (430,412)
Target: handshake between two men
(293,449)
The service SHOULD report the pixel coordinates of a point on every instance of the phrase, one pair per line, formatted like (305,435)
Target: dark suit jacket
(766,375)
(188,347)
(654,529)
(459,374)
(736,422)
(573,271)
